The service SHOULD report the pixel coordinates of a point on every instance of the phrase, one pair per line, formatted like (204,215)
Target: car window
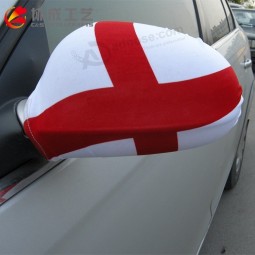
(215,20)
(61,17)
(27,61)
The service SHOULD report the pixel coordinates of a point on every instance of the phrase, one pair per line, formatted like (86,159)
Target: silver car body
(159,204)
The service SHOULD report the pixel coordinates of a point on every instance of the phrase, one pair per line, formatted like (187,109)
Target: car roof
(239,6)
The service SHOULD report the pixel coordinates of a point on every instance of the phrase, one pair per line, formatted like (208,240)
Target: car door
(221,31)
(115,205)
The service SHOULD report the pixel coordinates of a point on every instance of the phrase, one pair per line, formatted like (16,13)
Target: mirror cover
(123,89)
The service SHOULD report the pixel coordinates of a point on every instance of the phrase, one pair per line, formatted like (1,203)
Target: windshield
(63,17)
(245,17)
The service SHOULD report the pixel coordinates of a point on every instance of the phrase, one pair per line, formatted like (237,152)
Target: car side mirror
(123,89)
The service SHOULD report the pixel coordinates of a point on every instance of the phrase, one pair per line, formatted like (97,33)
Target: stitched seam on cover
(30,130)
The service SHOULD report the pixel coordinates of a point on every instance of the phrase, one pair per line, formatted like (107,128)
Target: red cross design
(137,106)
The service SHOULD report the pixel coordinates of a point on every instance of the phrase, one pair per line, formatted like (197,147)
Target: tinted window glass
(174,14)
(229,16)
(215,20)
(27,63)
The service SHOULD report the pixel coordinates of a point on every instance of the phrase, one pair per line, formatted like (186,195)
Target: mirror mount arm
(20,110)
(15,148)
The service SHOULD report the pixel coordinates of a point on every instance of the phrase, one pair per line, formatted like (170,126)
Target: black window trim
(230,30)
(232,15)
(207,38)
(198,19)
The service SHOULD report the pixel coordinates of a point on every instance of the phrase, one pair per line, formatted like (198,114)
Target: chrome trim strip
(23,176)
